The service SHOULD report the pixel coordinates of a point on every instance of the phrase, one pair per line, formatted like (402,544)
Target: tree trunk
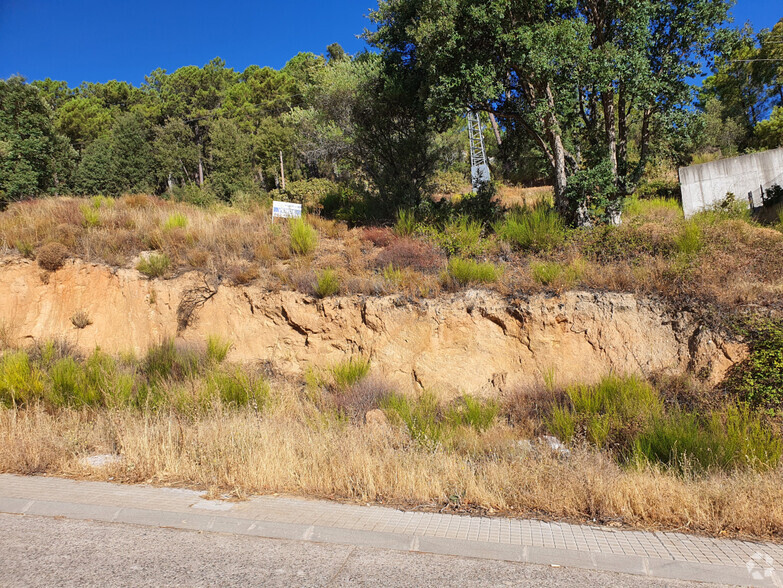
(644,147)
(607,99)
(622,141)
(558,156)
(495,128)
(282,172)
(200,171)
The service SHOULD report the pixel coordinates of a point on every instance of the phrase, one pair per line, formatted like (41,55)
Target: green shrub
(171,361)
(449,182)
(25,248)
(348,373)
(304,238)
(327,283)
(467,271)
(472,412)
(611,411)
(557,275)
(758,380)
(239,388)
(537,229)
(91,216)
(217,349)
(70,385)
(176,221)
(20,382)
(635,206)
(392,275)
(406,224)
(690,241)
(192,194)
(155,265)
(311,192)
(459,236)
(686,442)
(422,417)
(666,190)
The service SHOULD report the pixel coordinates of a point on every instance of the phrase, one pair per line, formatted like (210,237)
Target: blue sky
(99,40)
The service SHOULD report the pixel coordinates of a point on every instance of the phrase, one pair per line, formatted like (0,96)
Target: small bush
(378,236)
(539,229)
(392,274)
(176,221)
(687,443)
(304,238)
(449,182)
(25,248)
(557,275)
(52,256)
(155,265)
(238,388)
(91,216)
(242,273)
(758,380)
(348,373)
(20,382)
(467,271)
(171,361)
(70,385)
(217,349)
(365,395)
(406,224)
(422,417)
(81,319)
(327,283)
(472,412)
(460,236)
(690,241)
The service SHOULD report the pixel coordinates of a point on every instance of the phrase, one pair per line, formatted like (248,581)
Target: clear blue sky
(99,40)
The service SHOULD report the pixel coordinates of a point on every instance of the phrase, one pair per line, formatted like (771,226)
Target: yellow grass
(293,450)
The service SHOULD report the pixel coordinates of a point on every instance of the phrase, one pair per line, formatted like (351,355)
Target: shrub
(758,380)
(449,182)
(20,382)
(610,412)
(242,273)
(70,385)
(393,275)
(91,216)
(422,417)
(171,361)
(356,400)
(176,221)
(460,236)
(557,275)
(690,241)
(592,191)
(25,248)
(406,223)
(311,192)
(52,256)
(467,271)
(304,238)
(636,206)
(773,195)
(685,442)
(81,319)
(348,373)
(155,265)
(472,412)
(217,349)
(658,190)
(327,283)
(239,388)
(410,253)
(539,229)
(378,236)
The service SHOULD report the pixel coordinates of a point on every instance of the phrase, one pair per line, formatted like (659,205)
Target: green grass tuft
(304,238)
(467,271)
(348,373)
(327,283)
(176,221)
(155,265)
(537,229)
(217,349)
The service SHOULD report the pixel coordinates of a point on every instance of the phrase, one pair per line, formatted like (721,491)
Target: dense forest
(596,99)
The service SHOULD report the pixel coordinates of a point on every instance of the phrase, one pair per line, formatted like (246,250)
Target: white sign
(286,209)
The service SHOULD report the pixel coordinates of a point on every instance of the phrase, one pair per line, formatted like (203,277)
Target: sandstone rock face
(474,342)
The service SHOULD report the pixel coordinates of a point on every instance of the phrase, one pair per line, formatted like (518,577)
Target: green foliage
(592,192)
(610,412)
(536,229)
(392,274)
(773,195)
(636,206)
(304,238)
(557,275)
(467,271)
(471,412)
(685,442)
(758,380)
(312,193)
(459,236)
(449,182)
(91,216)
(155,265)
(327,283)
(171,361)
(20,382)
(421,416)
(176,221)
(406,224)
(690,242)
(348,373)
(659,191)
(238,388)
(217,349)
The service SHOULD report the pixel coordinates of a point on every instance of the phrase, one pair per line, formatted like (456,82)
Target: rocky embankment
(475,341)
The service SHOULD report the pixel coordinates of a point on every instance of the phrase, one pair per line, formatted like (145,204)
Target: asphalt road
(42,551)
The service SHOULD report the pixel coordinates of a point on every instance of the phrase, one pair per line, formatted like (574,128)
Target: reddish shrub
(52,256)
(378,236)
(407,252)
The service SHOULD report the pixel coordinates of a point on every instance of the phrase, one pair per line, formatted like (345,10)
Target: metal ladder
(479,169)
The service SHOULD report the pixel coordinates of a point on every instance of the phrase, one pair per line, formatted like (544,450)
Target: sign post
(286,209)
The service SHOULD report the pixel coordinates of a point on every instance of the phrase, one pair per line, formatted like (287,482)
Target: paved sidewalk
(660,555)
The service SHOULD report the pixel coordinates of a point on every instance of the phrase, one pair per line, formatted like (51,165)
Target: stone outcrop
(474,341)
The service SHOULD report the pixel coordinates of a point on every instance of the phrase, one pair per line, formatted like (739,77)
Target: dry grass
(289,451)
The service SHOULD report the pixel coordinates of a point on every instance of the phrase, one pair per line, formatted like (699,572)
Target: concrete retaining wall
(746,177)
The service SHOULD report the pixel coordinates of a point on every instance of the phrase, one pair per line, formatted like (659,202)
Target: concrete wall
(746,177)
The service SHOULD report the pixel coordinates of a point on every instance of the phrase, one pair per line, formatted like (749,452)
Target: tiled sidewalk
(667,555)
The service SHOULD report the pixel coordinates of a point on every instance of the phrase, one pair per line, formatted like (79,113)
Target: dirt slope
(475,341)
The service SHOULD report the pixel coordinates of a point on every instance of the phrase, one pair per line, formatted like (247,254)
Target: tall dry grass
(289,450)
